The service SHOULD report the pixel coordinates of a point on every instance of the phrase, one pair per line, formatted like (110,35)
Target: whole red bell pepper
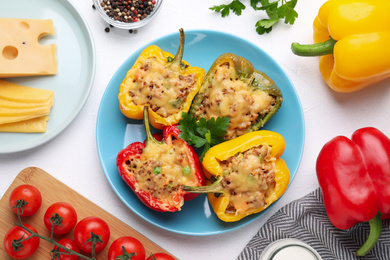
(130,158)
(354,176)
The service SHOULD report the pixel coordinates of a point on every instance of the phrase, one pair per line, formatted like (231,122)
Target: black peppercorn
(107,29)
(128,11)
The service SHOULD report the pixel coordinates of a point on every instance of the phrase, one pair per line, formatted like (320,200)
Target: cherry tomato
(68,243)
(29,196)
(27,248)
(54,214)
(100,233)
(160,256)
(131,246)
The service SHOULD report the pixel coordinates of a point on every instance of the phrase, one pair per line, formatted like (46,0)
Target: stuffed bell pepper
(352,37)
(245,175)
(234,88)
(156,170)
(165,83)
(354,176)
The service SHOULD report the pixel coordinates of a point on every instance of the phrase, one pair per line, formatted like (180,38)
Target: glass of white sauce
(291,249)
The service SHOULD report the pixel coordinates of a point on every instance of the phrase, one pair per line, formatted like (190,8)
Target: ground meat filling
(164,90)
(161,170)
(228,95)
(248,177)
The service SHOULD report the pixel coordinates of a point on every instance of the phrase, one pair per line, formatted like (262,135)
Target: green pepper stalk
(317,49)
(148,131)
(215,187)
(177,60)
(373,237)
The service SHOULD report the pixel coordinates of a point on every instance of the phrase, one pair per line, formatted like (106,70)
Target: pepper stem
(375,232)
(180,50)
(215,187)
(148,131)
(317,49)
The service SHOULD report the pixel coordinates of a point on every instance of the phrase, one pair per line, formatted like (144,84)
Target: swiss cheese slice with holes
(21,54)
(35,125)
(15,92)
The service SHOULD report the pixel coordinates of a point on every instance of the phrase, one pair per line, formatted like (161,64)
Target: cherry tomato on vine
(27,196)
(125,248)
(24,249)
(68,243)
(160,256)
(91,229)
(63,215)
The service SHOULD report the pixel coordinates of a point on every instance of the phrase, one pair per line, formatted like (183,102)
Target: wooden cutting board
(52,191)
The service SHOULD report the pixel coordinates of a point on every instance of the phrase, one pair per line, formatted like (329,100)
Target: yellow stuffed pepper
(165,83)
(246,174)
(352,38)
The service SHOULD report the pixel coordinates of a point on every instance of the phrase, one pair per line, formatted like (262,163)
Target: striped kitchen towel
(305,219)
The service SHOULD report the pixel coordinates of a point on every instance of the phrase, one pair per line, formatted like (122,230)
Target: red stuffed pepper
(354,176)
(156,170)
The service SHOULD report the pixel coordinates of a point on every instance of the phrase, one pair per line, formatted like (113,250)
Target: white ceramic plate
(76,67)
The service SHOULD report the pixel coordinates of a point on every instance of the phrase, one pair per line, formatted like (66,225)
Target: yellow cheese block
(15,104)
(15,92)
(35,125)
(21,53)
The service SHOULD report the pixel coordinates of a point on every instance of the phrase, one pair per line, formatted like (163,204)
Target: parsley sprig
(204,132)
(276,10)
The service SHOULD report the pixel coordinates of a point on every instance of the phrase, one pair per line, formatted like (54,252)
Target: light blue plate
(114,131)
(76,67)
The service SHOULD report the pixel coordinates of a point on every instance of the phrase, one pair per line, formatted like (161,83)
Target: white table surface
(72,156)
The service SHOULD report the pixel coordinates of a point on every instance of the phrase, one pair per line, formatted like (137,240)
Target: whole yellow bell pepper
(354,37)
(220,196)
(172,83)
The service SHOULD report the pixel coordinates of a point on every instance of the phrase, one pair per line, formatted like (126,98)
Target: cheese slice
(35,125)
(13,119)
(15,92)
(15,104)
(21,54)
(24,111)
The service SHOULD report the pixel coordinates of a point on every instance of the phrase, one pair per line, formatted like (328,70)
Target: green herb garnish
(276,10)
(204,132)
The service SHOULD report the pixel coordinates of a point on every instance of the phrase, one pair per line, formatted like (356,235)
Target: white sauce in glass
(294,253)
(289,249)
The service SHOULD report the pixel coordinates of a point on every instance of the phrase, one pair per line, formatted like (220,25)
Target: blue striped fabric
(305,219)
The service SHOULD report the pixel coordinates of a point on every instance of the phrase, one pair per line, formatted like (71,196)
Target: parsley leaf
(287,12)
(276,10)
(204,132)
(236,6)
(187,126)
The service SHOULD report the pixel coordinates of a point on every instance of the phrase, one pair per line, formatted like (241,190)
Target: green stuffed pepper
(234,88)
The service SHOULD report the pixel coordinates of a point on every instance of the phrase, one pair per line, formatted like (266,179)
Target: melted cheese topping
(248,177)
(162,169)
(157,85)
(235,98)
